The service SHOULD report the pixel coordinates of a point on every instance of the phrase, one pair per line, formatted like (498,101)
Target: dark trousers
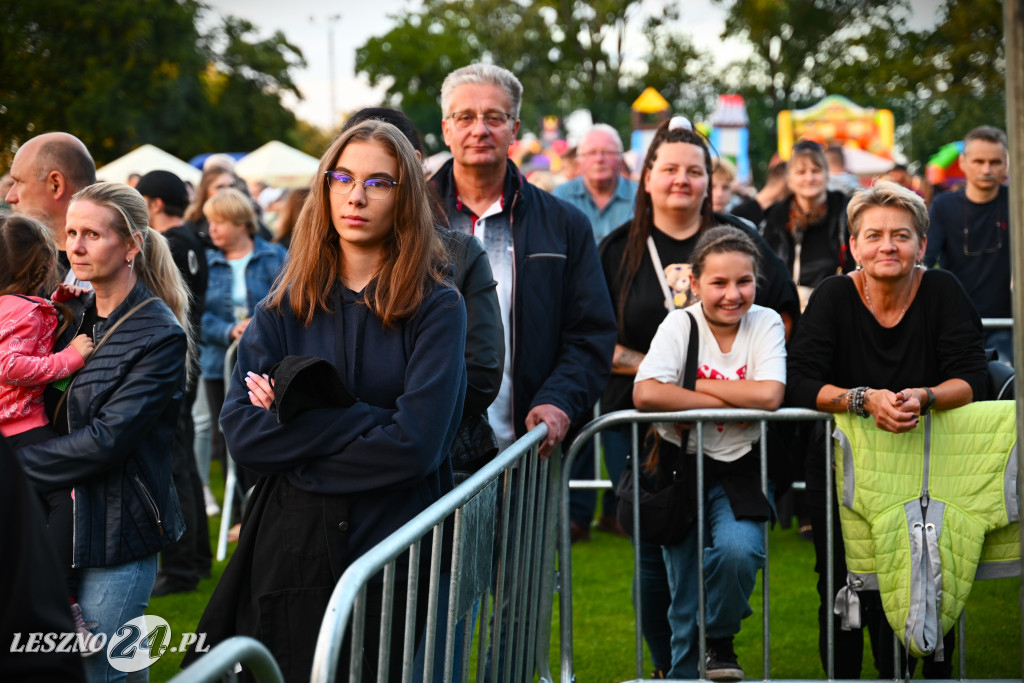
(58,510)
(189,560)
(849,645)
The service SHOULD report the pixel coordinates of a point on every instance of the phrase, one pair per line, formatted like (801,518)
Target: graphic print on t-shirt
(678,276)
(707,372)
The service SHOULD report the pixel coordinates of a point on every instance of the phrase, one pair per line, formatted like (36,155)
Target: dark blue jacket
(122,412)
(388,453)
(563,327)
(219,313)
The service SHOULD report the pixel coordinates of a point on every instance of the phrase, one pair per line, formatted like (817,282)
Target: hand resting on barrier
(557,422)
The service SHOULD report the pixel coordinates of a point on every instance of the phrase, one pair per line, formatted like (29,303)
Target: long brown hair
(413,253)
(194,212)
(28,261)
(28,257)
(643,217)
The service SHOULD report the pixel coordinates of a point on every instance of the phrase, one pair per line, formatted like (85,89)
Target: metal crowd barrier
(635,418)
(221,663)
(597,483)
(514,497)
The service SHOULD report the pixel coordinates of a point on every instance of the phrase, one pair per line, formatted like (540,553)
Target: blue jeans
(202,425)
(111,596)
(732,558)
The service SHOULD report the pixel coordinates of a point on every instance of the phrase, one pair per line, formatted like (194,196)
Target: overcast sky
(306,23)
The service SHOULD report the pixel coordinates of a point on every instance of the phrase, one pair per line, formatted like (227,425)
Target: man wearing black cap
(184,563)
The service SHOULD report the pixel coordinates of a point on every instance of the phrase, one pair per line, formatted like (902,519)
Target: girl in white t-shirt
(744,344)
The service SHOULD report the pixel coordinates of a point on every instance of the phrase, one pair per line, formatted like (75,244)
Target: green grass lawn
(604,625)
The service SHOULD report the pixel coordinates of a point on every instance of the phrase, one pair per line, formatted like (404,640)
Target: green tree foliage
(244,84)
(121,73)
(569,54)
(939,81)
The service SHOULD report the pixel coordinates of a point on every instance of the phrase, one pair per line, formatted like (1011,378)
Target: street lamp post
(331,20)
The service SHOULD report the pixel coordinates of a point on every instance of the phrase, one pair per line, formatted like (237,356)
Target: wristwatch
(930,402)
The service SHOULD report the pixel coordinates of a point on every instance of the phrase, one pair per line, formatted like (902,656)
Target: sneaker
(721,660)
(90,641)
(212,509)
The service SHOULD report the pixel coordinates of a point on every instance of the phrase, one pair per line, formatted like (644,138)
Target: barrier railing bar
(223,660)
(635,464)
(432,597)
(766,639)
(548,583)
(537,540)
(962,642)
(356,658)
(451,623)
(482,638)
(507,665)
(387,603)
(701,616)
(830,589)
(499,590)
(340,611)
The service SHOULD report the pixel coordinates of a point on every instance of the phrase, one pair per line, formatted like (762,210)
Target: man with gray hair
(600,191)
(47,171)
(559,325)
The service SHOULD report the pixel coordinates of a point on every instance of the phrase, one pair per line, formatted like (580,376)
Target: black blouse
(838,341)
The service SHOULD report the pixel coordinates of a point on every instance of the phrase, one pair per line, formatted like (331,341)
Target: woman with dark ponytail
(647,264)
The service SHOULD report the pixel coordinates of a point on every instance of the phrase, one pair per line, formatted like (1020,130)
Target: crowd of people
(395,331)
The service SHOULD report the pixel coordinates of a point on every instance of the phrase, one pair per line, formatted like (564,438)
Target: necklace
(867,297)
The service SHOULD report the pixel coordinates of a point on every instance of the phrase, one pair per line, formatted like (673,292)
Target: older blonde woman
(242,270)
(891,340)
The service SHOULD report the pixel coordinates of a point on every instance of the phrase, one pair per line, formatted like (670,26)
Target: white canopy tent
(144,159)
(864,163)
(278,165)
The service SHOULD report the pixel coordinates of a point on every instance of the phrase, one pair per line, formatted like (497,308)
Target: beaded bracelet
(855,401)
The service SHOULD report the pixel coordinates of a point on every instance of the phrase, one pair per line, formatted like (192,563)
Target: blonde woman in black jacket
(118,416)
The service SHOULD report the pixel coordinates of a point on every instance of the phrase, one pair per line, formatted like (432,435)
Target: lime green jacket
(925,513)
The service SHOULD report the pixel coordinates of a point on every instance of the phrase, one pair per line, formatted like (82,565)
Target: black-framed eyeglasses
(375,188)
(492,119)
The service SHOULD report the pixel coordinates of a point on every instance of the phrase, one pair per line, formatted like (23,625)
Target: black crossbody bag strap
(135,309)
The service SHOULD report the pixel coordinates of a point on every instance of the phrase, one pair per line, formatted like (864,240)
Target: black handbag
(668,502)
(1000,376)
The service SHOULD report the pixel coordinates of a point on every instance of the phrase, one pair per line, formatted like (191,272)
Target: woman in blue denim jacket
(243,268)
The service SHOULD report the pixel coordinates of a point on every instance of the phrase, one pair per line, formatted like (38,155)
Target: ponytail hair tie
(680,122)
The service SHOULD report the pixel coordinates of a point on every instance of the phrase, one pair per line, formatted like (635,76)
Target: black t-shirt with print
(645,307)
